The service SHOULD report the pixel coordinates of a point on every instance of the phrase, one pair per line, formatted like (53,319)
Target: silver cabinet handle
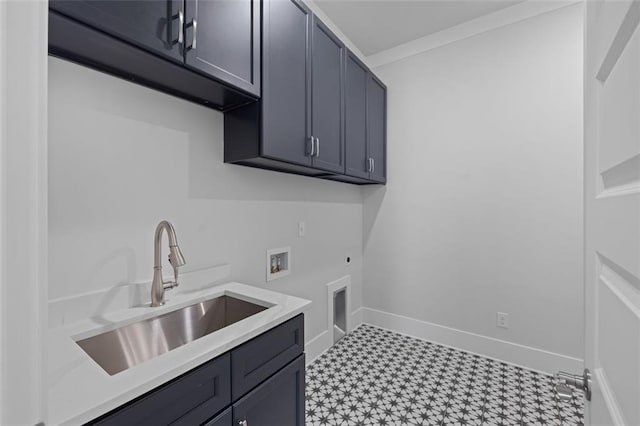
(369,164)
(373,165)
(180,27)
(313,147)
(195,34)
(317,147)
(243,423)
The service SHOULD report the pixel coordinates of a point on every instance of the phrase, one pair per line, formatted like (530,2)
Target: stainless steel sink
(124,347)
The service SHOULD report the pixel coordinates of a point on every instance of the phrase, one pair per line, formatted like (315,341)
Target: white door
(612,203)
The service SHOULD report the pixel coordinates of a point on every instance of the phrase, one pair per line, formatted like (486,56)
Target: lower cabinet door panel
(277,402)
(258,359)
(223,419)
(189,400)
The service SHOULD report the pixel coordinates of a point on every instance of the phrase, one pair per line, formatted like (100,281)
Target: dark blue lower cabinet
(269,387)
(277,402)
(223,419)
(258,359)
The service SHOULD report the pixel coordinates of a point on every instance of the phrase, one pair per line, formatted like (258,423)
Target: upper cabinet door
(286,81)
(150,24)
(377,129)
(223,40)
(356,78)
(327,95)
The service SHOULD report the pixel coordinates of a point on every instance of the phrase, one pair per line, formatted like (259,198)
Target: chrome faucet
(176,259)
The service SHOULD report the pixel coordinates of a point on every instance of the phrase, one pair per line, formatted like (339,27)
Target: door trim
(613,409)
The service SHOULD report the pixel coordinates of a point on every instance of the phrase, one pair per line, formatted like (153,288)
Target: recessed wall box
(278,263)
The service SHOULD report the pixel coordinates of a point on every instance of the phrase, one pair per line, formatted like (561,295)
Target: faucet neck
(157,250)
(158,286)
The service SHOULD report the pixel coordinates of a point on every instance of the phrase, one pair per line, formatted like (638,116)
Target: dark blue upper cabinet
(327,99)
(377,129)
(366,123)
(222,39)
(205,51)
(286,73)
(151,24)
(356,117)
(298,126)
(322,112)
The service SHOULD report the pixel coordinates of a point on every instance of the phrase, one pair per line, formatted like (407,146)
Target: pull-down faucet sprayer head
(175,257)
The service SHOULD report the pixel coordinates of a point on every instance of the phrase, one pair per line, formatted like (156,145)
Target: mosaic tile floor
(377,377)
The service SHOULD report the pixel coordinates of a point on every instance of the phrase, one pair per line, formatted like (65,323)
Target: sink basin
(124,347)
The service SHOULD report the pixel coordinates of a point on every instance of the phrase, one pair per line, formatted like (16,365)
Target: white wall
(123,157)
(483,209)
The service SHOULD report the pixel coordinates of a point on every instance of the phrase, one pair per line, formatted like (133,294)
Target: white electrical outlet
(502,320)
(302,229)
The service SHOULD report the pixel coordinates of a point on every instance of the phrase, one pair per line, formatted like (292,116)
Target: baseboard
(317,346)
(323,341)
(501,350)
(356,318)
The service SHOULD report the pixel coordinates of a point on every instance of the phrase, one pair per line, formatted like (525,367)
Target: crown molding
(492,21)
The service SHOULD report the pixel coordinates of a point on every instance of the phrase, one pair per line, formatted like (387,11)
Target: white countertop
(80,390)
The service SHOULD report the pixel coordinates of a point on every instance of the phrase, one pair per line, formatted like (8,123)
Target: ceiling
(376,25)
